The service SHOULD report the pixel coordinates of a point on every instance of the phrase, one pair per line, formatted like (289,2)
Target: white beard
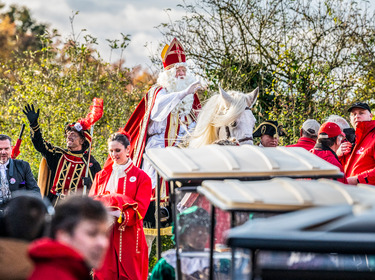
(168,80)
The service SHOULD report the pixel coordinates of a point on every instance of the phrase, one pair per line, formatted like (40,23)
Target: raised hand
(193,87)
(31,115)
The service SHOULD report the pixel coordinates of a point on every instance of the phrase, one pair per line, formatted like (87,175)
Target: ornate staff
(96,112)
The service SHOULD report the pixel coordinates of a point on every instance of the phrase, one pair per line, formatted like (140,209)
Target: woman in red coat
(126,191)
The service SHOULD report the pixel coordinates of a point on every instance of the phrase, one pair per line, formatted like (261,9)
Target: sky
(107,19)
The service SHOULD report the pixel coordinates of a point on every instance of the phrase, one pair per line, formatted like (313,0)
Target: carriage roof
(337,228)
(240,162)
(282,194)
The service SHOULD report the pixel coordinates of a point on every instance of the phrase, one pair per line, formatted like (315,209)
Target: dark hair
(25,217)
(5,137)
(70,127)
(329,142)
(121,138)
(71,211)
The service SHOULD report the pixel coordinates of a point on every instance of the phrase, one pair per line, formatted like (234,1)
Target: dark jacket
(67,167)
(20,176)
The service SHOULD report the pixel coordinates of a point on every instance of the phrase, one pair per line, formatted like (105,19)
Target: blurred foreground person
(24,219)
(78,241)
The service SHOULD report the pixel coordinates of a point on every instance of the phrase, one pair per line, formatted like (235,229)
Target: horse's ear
(252,97)
(227,98)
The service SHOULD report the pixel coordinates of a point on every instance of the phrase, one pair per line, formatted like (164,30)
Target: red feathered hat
(172,54)
(83,125)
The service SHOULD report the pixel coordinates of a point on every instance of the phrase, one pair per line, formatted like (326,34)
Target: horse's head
(238,120)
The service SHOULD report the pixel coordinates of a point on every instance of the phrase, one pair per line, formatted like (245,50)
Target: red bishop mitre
(172,54)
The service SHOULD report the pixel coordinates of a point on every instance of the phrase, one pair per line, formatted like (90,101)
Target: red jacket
(54,260)
(127,255)
(304,142)
(361,162)
(329,156)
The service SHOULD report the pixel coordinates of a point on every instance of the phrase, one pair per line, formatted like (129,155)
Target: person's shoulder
(19,162)
(139,171)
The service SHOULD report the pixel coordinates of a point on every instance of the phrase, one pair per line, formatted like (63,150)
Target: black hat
(361,105)
(269,128)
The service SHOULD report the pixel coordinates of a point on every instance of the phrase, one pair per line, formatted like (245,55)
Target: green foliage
(166,244)
(62,82)
(309,58)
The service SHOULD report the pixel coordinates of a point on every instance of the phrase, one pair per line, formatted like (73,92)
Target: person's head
(5,148)
(269,133)
(310,129)
(180,72)
(330,135)
(82,223)
(359,112)
(75,140)
(119,148)
(345,127)
(176,75)
(193,225)
(25,217)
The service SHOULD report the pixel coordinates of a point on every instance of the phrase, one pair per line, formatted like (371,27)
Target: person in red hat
(359,161)
(329,140)
(164,116)
(67,166)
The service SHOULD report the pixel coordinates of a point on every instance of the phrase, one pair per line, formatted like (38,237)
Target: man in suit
(14,174)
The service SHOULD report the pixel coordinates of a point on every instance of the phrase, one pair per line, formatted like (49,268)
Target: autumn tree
(18,31)
(61,80)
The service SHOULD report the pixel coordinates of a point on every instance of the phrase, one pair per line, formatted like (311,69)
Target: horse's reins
(227,131)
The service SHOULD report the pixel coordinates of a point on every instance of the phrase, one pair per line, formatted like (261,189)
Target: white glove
(192,88)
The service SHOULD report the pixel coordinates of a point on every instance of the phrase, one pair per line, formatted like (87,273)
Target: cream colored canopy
(214,161)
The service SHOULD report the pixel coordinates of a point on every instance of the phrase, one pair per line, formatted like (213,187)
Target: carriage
(187,169)
(332,242)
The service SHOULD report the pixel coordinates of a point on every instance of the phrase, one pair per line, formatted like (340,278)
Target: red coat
(361,162)
(304,142)
(57,261)
(329,156)
(127,256)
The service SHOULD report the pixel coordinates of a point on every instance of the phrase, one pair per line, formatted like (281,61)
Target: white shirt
(118,171)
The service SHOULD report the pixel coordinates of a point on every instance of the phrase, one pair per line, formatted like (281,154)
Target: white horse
(224,116)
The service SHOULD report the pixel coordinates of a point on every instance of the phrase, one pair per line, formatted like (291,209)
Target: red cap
(329,130)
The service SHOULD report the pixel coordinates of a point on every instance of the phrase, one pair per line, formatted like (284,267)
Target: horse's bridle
(227,131)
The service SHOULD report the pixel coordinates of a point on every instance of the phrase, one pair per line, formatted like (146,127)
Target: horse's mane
(213,115)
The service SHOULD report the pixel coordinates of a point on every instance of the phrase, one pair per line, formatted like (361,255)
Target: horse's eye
(233,124)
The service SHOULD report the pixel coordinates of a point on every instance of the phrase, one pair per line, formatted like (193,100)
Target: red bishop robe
(137,124)
(127,256)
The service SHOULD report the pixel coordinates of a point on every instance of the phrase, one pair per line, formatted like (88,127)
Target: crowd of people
(108,234)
